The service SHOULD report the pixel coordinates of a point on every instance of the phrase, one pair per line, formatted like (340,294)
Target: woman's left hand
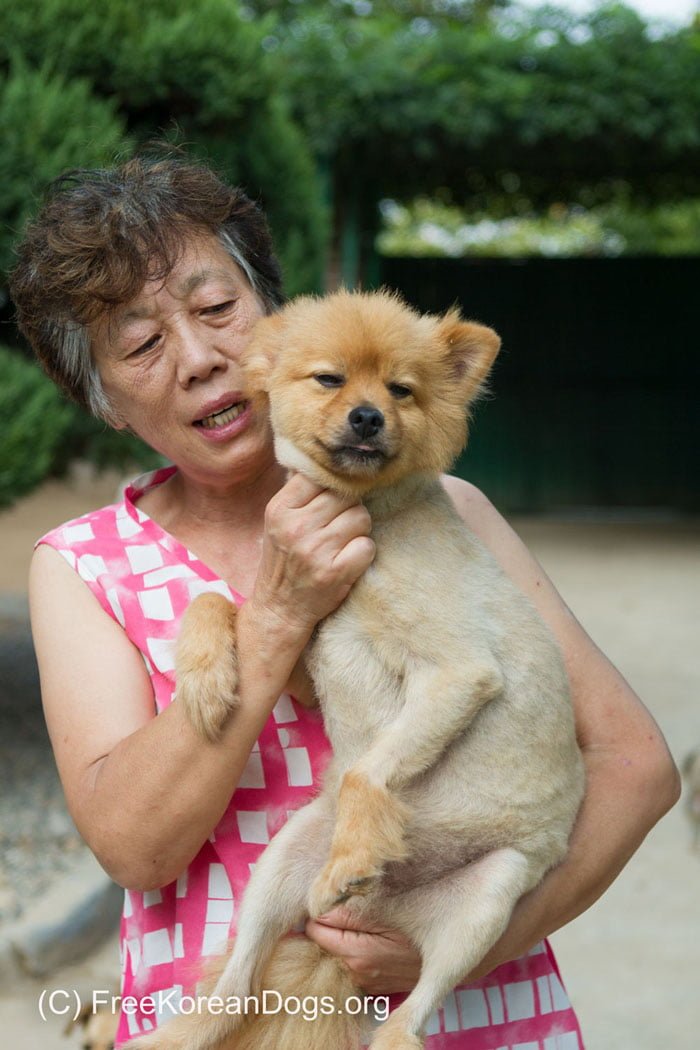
(382,960)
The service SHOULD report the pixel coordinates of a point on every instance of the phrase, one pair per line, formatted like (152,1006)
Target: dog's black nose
(366,420)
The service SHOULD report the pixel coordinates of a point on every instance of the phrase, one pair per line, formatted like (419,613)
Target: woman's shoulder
(478,512)
(502,541)
(83,528)
(116,522)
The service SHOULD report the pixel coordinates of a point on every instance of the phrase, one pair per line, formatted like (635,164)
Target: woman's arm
(146,792)
(631,778)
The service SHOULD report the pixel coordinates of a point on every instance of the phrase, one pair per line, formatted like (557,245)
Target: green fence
(595,397)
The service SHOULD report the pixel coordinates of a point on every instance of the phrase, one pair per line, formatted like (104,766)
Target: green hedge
(47,124)
(35,420)
(42,433)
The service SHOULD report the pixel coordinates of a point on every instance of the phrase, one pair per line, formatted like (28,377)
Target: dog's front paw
(206,664)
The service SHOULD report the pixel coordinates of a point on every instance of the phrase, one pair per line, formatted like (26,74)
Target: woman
(138,288)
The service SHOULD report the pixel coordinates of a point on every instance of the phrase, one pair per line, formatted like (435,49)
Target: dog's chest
(408,606)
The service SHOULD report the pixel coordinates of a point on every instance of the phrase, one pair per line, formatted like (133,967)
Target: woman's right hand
(316,544)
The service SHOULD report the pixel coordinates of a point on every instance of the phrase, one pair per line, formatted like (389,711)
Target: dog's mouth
(360,458)
(360,451)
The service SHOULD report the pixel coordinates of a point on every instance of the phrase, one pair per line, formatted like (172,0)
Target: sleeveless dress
(144,579)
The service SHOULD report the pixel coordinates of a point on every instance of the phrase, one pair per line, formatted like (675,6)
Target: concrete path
(632,962)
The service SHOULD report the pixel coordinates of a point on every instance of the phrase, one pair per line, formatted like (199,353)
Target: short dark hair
(101,234)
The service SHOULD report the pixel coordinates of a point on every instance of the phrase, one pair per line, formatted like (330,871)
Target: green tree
(469,11)
(47,124)
(195,72)
(35,419)
(521,109)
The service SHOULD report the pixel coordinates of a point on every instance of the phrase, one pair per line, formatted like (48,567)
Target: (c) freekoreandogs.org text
(170,1002)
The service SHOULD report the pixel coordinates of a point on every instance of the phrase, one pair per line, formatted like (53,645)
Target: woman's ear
(259,357)
(471,350)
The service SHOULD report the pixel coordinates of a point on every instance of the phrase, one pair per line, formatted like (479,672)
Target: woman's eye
(398,390)
(219,308)
(148,345)
(326,379)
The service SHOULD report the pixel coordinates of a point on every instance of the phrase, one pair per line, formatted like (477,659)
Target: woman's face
(169,363)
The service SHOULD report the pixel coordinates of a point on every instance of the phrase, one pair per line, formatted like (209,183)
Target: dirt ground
(630,963)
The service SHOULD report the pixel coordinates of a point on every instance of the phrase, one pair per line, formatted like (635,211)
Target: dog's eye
(399,391)
(326,379)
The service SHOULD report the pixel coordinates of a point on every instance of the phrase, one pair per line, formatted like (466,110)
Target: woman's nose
(198,355)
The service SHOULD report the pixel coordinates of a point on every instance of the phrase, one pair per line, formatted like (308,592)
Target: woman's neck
(184,504)
(240,505)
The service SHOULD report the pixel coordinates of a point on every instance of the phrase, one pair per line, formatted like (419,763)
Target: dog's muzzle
(366,421)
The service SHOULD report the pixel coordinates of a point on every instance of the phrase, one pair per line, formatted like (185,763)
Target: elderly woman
(138,289)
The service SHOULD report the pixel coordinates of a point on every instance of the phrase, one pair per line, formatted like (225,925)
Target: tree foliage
(321,108)
(561,101)
(35,422)
(47,124)
(308,102)
(197,73)
(513,110)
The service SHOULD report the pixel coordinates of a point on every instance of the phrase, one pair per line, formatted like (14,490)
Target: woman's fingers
(316,544)
(382,961)
(354,558)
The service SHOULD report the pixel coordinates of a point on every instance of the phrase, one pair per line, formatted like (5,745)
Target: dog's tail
(313,991)
(306,1000)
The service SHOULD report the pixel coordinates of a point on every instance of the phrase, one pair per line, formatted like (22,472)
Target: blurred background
(539,165)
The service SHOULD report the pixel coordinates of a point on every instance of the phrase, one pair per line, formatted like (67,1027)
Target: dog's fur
(456,776)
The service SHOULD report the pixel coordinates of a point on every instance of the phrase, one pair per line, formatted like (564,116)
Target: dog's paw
(343,877)
(207,701)
(206,664)
(369,832)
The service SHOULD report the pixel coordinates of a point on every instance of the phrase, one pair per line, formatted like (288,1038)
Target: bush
(92,440)
(47,124)
(43,433)
(194,73)
(35,420)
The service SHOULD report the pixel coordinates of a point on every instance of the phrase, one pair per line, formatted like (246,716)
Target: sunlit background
(539,166)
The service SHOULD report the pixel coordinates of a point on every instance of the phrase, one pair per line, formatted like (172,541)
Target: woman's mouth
(222,417)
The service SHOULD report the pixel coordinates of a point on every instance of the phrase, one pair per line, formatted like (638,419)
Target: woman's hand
(315,545)
(382,960)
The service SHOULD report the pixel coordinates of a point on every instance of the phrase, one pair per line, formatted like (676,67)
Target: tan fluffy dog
(456,776)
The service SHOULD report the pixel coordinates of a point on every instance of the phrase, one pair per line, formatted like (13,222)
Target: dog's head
(364,391)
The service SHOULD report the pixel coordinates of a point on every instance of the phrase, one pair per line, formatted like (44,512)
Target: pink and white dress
(144,579)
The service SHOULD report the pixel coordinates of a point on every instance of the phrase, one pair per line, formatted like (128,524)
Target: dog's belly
(426,865)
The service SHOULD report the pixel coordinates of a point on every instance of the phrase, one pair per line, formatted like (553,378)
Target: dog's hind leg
(275,900)
(454,922)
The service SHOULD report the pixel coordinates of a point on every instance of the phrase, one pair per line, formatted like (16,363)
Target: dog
(456,776)
(691,774)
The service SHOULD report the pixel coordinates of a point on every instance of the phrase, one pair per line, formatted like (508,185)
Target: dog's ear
(259,357)
(471,350)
